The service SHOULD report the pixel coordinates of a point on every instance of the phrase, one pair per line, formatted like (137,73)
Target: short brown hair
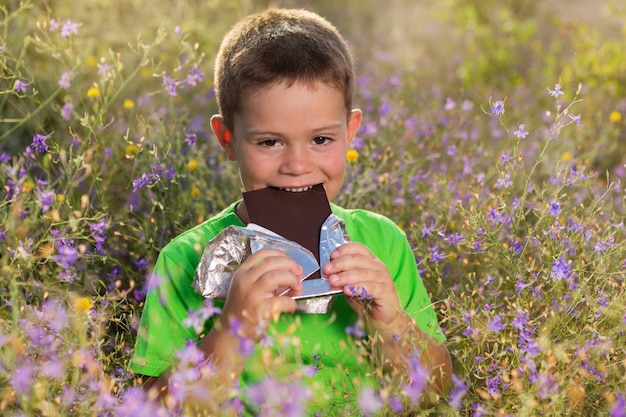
(278,45)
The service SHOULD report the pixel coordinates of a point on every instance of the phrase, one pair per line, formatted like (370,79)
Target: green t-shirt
(323,341)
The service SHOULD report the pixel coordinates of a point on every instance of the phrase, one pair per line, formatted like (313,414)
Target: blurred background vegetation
(460,46)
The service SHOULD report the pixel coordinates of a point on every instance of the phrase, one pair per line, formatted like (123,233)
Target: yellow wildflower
(566,156)
(93,92)
(91,61)
(195,192)
(352,155)
(146,72)
(83,304)
(131,150)
(27,186)
(129,104)
(192,165)
(615,116)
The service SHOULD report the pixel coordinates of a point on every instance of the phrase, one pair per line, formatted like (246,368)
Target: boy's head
(280,45)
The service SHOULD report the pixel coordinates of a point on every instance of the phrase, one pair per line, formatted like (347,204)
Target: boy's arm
(370,290)
(250,305)
(228,365)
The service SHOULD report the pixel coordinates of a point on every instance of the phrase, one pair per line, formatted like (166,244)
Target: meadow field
(494,134)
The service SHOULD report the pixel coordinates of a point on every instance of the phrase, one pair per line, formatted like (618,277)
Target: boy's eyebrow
(331,126)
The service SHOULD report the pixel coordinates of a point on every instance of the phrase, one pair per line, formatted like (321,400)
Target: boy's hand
(353,267)
(252,298)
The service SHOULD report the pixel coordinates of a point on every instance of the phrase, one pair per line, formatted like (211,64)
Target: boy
(284,81)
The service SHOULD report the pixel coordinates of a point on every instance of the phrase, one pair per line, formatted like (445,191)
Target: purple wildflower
(603,245)
(395,404)
(170,85)
(54,25)
(66,254)
(190,138)
(504,182)
(521,320)
(418,378)
(554,208)
(556,92)
(197,318)
(142,263)
(39,142)
(20,86)
(98,232)
(497,108)
(147,179)
(272,397)
(457,392)
(495,324)
(358,293)
(435,256)
(356,330)
(66,111)
(22,379)
(493,385)
(66,79)
(575,118)
(619,407)
(246,346)
(521,133)
(170,172)
(186,378)
(467,105)
(468,332)
(103,68)
(450,104)
(195,75)
(67,275)
(46,198)
(70,28)
(55,314)
(369,402)
(560,269)
(384,109)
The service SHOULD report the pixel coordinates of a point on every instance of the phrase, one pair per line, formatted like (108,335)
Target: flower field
(494,134)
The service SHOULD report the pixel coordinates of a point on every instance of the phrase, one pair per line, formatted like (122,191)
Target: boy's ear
(224,136)
(353,123)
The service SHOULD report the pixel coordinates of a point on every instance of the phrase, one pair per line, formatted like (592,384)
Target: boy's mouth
(297,189)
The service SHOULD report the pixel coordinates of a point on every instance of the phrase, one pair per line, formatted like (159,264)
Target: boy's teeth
(297,190)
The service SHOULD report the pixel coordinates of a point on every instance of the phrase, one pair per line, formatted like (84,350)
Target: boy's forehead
(263,100)
(251,95)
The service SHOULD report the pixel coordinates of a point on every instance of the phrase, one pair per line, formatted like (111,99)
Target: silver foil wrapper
(224,253)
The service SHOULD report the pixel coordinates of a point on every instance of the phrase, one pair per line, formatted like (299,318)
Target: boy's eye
(321,140)
(269,143)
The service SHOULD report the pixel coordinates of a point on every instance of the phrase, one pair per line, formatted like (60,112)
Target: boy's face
(291,137)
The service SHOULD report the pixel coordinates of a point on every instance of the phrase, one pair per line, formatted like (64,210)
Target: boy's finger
(351,248)
(275,306)
(274,260)
(275,282)
(349,262)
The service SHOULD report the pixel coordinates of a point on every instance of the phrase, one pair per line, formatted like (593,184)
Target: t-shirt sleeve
(389,244)
(161,332)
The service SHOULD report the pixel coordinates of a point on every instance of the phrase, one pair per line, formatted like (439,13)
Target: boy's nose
(297,161)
